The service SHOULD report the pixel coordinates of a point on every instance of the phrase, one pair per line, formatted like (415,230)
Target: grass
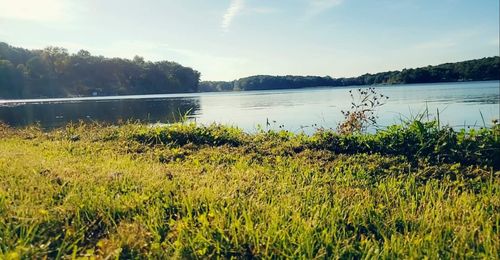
(188,191)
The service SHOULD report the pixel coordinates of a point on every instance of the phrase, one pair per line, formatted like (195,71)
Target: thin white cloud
(319,6)
(263,10)
(436,44)
(449,41)
(326,3)
(35,10)
(495,42)
(213,66)
(234,9)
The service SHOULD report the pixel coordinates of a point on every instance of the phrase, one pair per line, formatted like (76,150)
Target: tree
(10,80)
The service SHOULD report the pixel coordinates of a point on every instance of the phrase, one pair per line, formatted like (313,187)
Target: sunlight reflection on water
(459,104)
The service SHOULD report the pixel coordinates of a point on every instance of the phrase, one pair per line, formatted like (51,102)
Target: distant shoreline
(356,86)
(55,73)
(466,71)
(16,102)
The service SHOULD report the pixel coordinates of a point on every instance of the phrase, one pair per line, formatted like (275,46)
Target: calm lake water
(459,105)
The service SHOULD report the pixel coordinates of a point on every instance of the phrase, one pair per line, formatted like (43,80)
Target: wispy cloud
(234,9)
(495,41)
(40,10)
(214,66)
(435,44)
(319,6)
(263,10)
(449,41)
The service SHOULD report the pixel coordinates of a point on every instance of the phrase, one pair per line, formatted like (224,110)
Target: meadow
(94,191)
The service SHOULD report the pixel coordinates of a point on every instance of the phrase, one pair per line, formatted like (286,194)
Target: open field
(185,191)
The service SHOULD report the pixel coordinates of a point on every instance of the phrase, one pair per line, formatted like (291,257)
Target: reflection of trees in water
(113,111)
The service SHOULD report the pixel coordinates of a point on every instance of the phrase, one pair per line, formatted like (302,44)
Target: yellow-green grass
(134,191)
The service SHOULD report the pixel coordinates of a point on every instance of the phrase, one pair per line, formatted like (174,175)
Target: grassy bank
(215,191)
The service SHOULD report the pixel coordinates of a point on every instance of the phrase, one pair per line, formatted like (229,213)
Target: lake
(459,104)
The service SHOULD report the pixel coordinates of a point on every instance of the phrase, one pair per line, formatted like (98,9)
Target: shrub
(420,140)
(362,112)
(181,134)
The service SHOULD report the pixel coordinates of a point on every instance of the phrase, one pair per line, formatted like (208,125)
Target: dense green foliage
(415,141)
(53,72)
(472,70)
(189,191)
(421,141)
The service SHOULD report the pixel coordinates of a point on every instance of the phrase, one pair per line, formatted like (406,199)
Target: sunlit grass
(191,191)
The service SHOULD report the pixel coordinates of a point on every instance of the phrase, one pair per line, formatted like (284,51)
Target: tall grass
(189,191)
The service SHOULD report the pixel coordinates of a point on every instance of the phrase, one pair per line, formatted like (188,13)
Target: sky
(230,39)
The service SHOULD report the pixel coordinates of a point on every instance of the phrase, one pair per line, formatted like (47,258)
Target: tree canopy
(472,70)
(53,72)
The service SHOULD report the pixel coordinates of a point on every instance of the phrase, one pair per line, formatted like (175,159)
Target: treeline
(472,70)
(53,72)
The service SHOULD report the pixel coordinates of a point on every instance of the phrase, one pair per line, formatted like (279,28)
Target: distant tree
(53,72)
(139,60)
(11,80)
(481,69)
(56,58)
(83,53)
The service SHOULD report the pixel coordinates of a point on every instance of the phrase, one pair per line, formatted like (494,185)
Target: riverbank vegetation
(471,70)
(53,72)
(186,190)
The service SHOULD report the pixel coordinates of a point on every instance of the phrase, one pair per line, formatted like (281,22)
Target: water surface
(459,105)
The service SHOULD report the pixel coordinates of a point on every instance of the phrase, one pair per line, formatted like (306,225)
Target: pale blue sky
(229,39)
